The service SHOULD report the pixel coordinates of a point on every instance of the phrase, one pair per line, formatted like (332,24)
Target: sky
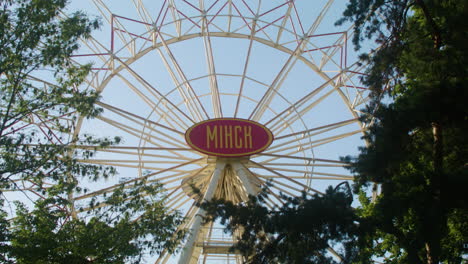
(165,74)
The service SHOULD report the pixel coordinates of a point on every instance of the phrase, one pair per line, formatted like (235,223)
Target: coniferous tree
(415,158)
(417,145)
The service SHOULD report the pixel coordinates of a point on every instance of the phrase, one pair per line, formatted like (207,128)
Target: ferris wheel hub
(231,185)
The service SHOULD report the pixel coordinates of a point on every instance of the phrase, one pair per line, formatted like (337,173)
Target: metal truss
(162,67)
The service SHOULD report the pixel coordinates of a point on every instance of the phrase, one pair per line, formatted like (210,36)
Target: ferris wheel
(223,96)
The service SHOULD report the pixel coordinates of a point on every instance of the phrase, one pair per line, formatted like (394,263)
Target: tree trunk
(436,222)
(431,259)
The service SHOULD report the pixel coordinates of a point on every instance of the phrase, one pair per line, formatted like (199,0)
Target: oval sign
(229,137)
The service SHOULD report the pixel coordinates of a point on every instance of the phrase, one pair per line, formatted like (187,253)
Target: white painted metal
(156,149)
(241,171)
(187,254)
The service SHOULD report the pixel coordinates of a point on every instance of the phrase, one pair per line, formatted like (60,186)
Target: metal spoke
(215,99)
(261,62)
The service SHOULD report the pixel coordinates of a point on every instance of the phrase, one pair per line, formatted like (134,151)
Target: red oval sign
(228,137)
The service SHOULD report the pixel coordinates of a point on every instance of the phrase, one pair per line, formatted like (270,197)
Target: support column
(241,171)
(244,175)
(187,256)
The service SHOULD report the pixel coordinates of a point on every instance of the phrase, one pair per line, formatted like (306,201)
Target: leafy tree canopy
(417,145)
(39,86)
(300,231)
(119,228)
(42,100)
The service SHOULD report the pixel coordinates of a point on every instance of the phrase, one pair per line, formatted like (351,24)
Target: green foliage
(301,231)
(5,236)
(142,203)
(415,158)
(39,85)
(121,228)
(417,145)
(41,101)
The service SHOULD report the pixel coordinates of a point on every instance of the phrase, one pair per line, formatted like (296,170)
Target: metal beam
(187,253)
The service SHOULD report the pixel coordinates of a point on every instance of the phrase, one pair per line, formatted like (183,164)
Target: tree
(417,145)
(300,231)
(416,153)
(41,101)
(33,43)
(109,234)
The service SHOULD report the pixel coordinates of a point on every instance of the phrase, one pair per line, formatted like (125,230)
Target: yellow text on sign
(229,136)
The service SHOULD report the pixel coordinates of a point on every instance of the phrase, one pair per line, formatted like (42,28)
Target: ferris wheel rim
(126,63)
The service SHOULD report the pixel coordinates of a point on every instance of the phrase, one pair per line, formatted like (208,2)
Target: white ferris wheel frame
(161,130)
